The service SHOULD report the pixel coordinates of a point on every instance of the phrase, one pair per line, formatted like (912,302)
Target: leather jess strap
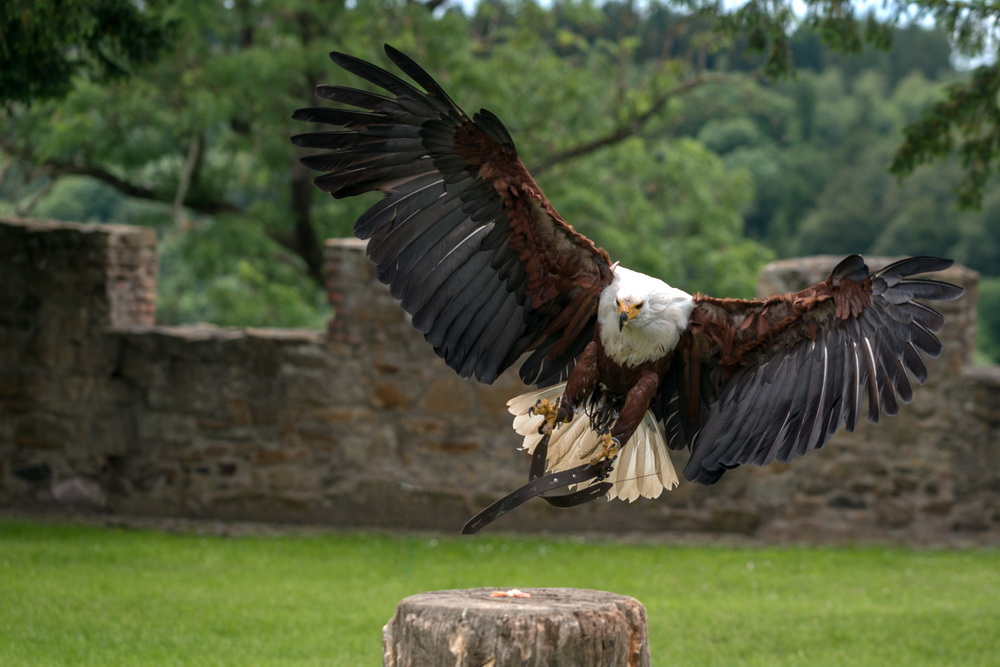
(539,484)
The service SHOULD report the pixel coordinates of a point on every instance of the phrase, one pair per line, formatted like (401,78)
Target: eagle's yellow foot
(609,448)
(549,411)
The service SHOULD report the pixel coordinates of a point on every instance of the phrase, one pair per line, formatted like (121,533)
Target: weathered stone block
(973,516)
(390,396)
(451,446)
(168,428)
(894,512)
(420,424)
(318,437)
(40,430)
(449,394)
(732,519)
(337,414)
(846,500)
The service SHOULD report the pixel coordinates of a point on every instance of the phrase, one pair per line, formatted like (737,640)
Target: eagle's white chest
(657,328)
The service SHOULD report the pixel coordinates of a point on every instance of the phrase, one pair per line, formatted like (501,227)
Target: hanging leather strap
(539,484)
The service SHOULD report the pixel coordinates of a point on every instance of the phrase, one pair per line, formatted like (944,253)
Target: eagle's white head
(641,318)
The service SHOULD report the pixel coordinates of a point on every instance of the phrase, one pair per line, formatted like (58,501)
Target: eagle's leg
(580,383)
(549,410)
(637,402)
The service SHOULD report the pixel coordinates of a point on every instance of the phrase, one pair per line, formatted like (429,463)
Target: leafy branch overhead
(194,97)
(45,44)
(966,122)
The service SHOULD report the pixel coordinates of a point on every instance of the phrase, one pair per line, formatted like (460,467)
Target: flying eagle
(626,366)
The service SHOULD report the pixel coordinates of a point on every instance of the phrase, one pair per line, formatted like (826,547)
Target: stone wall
(101,409)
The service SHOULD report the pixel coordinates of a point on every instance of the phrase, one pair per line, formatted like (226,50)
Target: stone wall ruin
(101,409)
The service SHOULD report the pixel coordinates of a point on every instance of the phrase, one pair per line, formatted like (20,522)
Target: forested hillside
(669,137)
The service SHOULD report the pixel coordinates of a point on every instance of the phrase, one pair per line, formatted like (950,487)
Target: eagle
(625,367)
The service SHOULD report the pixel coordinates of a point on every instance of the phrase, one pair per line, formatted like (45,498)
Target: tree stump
(572,627)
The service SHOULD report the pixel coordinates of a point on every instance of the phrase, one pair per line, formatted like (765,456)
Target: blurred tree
(45,44)
(260,285)
(202,134)
(988,329)
(612,105)
(966,122)
(671,210)
(978,243)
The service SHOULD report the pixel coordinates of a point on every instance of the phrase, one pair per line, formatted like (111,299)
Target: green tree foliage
(263,284)
(966,122)
(672,210)
(987,340)
(648,126)
(202,136)
(44,44)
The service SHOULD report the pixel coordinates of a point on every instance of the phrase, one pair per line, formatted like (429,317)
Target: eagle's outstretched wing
(463,237)
(764,380)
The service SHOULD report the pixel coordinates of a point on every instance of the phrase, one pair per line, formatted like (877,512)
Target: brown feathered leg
(637,401)
(581,382)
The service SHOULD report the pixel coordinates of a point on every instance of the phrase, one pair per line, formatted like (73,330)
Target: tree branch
(208,207)
(25,208)
(629,128)
(57,168)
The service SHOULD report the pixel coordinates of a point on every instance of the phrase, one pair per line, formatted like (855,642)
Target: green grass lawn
(80,595)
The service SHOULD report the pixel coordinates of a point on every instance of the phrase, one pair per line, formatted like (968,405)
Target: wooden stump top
(555,626)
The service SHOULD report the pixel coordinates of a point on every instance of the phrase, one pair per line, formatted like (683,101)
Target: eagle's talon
(608,448)
(549,410)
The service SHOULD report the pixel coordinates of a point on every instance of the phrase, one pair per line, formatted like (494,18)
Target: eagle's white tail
(643,467)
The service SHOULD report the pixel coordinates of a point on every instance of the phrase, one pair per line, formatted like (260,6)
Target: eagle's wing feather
(764,380)
(464,237)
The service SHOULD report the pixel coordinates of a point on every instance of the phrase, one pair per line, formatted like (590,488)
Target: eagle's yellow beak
(627,312)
